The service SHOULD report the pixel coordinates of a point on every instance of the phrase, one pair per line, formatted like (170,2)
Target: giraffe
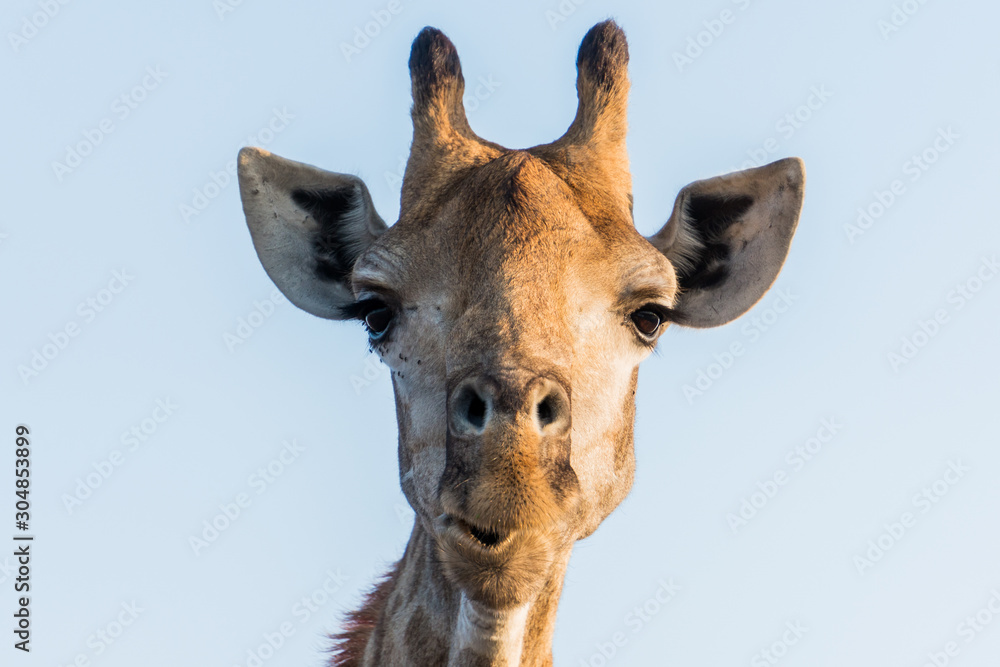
(512,302)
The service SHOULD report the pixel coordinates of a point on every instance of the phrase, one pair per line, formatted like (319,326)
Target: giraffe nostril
(551,410)
(469,410)
(476,411)
(546,413)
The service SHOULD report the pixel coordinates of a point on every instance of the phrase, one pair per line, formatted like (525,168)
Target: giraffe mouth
(486,537)
(495,565)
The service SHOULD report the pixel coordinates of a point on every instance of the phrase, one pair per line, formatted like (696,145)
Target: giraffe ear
(728,238)
(308,227)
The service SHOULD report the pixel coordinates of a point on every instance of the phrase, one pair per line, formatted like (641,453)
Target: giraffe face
(513,325)
(513,301)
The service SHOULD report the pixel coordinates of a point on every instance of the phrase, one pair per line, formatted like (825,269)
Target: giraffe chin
(499,569)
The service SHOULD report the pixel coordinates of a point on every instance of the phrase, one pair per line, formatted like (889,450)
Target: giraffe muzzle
(507,461)
(508,492)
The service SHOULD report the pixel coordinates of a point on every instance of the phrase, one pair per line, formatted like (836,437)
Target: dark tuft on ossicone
(603,54)
(434,64)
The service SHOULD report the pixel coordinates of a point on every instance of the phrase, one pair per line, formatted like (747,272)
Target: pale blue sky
(197,85)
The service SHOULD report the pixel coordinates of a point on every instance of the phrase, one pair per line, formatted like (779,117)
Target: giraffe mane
(349,645)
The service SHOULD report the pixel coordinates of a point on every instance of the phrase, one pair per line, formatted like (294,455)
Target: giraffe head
(513,301)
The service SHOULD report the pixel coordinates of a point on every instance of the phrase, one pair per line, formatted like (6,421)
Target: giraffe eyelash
(359,309)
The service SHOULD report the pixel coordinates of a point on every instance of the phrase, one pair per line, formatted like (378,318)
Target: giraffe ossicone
(512,301)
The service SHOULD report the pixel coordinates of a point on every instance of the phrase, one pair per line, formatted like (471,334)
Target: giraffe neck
(426,620)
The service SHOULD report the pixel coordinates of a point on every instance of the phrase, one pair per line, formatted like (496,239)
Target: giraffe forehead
(511,226)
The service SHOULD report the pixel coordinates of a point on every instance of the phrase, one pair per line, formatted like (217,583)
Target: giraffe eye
(377,321)
(647,322)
